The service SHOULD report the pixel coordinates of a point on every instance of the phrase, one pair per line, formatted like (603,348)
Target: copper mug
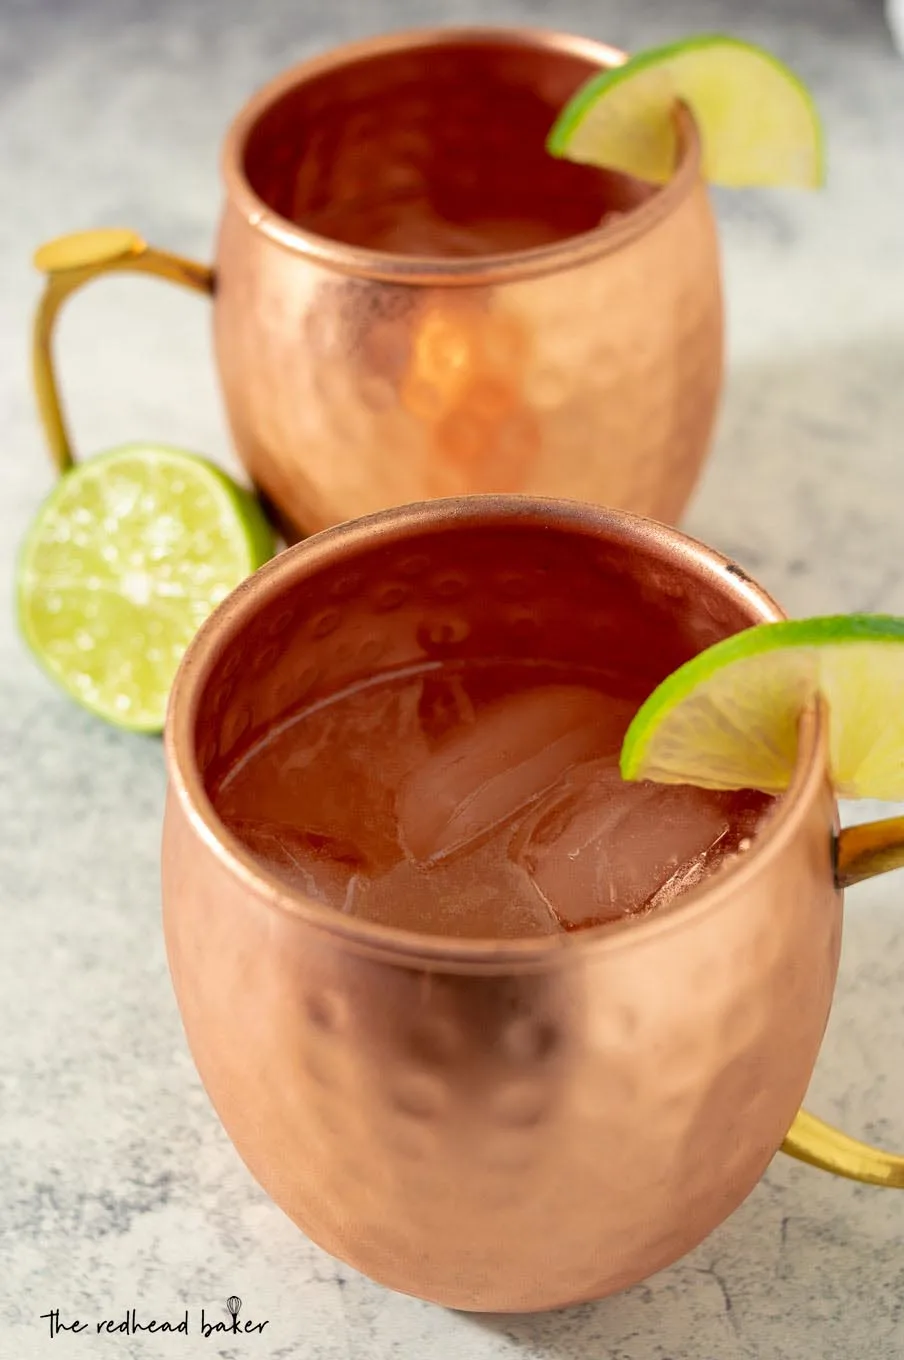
(518,1124)
(369,357)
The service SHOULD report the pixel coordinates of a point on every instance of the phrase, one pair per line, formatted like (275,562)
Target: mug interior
(432,149)
(494,579)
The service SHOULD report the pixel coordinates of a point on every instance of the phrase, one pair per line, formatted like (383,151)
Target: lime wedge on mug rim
(729,718)
(123,562)
(757,121)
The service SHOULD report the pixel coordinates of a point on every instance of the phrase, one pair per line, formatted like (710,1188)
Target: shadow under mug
(412,299)
(501,1125)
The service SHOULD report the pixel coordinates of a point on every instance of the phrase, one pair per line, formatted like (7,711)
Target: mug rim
(387,266)
(301,560)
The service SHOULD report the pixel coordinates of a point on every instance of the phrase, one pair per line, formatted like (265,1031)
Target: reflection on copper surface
(412,299)
(491,1124)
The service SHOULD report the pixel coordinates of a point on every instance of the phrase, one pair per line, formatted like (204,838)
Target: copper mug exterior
(581,359)
(500,1125)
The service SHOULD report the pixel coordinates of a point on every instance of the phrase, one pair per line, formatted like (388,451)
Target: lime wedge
(728,719)
(124,561)
(758,123)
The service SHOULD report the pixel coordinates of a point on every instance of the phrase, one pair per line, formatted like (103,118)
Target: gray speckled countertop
(118,1187)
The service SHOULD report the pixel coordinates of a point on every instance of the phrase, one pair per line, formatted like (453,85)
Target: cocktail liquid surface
(476,799)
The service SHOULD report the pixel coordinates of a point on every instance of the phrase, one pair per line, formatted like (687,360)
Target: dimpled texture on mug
(437,601)
(498,1139)
(509,1142)
(596,382)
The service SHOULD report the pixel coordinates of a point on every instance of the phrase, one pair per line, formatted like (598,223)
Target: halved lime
(758,123)
(729,718)
(124,561)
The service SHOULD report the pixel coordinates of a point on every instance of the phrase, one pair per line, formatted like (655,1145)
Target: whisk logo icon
(234,1325)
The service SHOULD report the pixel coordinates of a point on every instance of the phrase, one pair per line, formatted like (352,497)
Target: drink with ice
(478,799)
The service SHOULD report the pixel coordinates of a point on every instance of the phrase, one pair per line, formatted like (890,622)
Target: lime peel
(124,560)
(729,717)
(758,122)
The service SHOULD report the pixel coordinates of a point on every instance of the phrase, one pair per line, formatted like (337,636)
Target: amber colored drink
(477,799)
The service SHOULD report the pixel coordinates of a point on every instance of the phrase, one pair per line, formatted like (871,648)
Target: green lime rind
(746,134)
(123,561)
(729,717)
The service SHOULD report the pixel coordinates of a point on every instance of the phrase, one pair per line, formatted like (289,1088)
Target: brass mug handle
(69,262)
(860,852)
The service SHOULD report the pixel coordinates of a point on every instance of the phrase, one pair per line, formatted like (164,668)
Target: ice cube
(599,848)
(484,774)
(334,772)
(479,894)
(320,867)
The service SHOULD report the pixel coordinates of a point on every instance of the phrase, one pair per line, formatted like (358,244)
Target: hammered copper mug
(371,352)
(517,1124)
